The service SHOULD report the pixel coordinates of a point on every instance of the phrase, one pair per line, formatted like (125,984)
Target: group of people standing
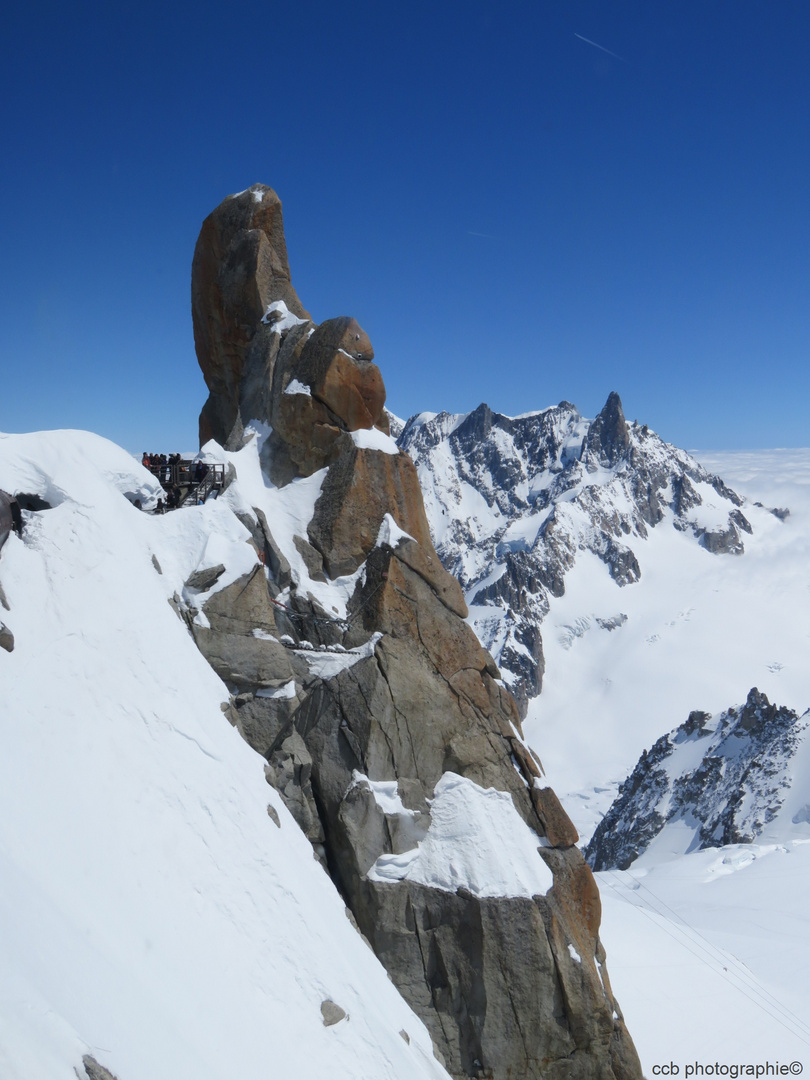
(177,476)
(162,466)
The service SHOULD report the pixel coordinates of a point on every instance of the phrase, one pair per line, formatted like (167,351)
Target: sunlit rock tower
(410,730)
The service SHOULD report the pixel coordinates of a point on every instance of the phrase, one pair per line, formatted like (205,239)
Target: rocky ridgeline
(723,778)
(511,502)
(388,733)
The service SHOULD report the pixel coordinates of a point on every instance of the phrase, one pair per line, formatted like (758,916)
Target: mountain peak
(719,780)
(609,434)
(512,503)
(239,271)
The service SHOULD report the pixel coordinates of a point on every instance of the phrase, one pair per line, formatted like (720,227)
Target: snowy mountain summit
(732,778)
(513,502)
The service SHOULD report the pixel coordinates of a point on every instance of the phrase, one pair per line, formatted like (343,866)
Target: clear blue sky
(545,200)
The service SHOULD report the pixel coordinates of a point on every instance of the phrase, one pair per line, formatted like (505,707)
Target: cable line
(784,1020)
(721,955)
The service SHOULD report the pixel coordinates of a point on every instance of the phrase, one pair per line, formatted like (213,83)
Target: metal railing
(190,482)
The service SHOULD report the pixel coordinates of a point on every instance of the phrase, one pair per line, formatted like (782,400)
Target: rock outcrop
(384,724)
(240,271)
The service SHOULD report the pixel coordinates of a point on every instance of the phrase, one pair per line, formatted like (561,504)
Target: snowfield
(153,915)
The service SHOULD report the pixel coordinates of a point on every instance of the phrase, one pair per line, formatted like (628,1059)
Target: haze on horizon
(550,202)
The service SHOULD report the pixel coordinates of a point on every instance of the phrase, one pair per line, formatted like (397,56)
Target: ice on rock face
(386,794)
(390,534)
(296,387)
(328,664)
(281,319)
(286,691)
(374,439)
(477,841)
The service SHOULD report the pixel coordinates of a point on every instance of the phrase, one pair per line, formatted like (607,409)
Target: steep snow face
(153,914)
(714,780)
(514,502)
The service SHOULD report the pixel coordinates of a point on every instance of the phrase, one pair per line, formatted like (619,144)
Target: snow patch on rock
(476,841)
(374,439)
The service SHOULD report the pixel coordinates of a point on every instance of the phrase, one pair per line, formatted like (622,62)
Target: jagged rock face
(361,487)
(511,503)
(608,438)
(725,777)
(261,355)
(378,727)
(323,384)
(10,517)
(7,523)
(240,269)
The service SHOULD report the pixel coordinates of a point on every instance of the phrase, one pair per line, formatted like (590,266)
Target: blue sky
(541,201)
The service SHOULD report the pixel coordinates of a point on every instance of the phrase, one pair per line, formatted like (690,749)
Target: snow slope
(152,914)
(709,955)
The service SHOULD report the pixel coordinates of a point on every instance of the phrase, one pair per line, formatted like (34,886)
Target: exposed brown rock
(336,363)
(361,487)
(558,826)
(240,267)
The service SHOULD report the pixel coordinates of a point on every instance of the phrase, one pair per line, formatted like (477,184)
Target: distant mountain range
(513,502)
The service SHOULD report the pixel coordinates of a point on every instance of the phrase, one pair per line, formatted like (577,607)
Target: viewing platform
(186,482)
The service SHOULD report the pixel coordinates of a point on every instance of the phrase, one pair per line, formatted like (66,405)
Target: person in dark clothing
(16,518)
(10,517)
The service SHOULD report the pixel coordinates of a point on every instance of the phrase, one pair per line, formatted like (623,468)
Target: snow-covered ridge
(732,778)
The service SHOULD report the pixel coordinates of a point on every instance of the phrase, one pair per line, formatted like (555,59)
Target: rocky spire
(609,434)
(404,737)
(240,269)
